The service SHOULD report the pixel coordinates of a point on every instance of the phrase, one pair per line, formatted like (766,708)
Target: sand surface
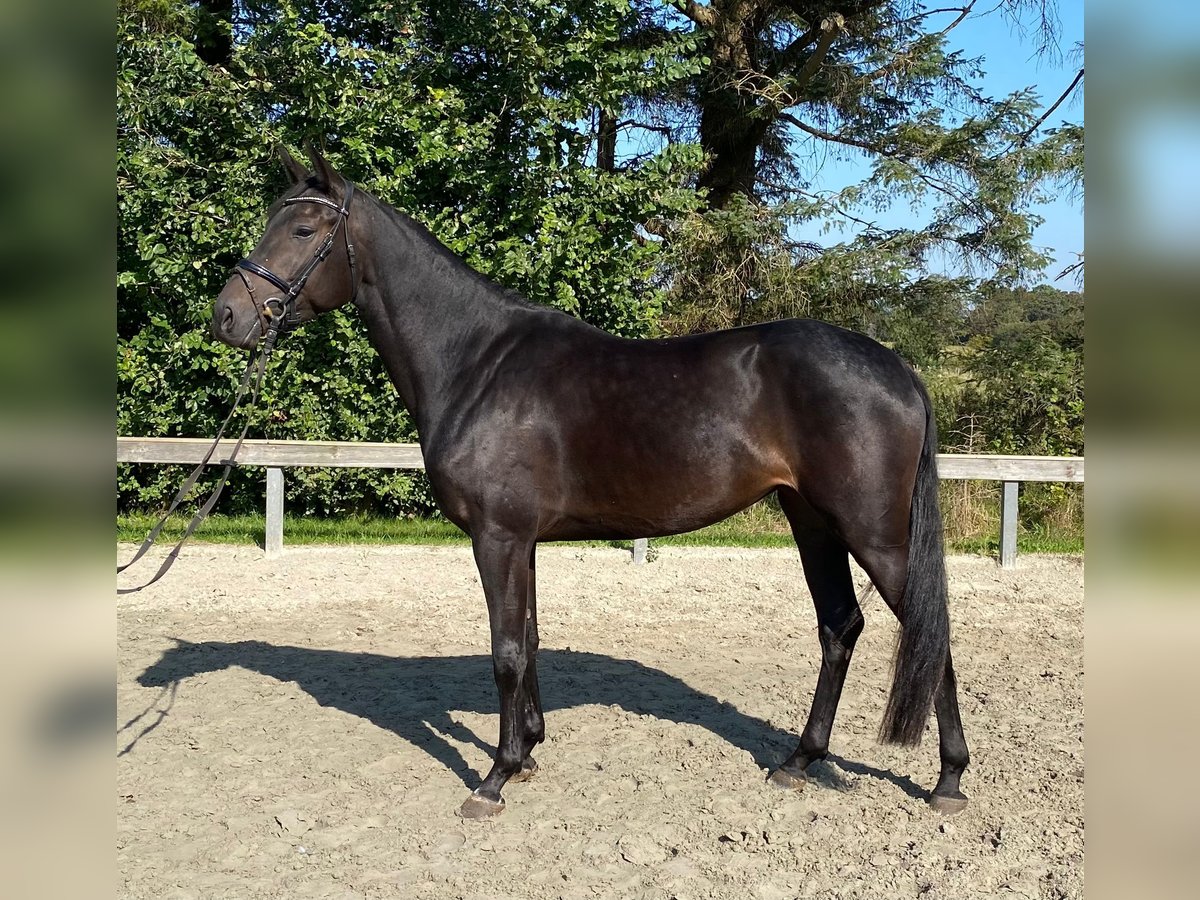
(307,728)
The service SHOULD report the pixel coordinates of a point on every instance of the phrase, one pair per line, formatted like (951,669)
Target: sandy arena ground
(307,728)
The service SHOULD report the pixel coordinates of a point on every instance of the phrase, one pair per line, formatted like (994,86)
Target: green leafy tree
(789,80)
(742,264)
(1025,370)
(787,85)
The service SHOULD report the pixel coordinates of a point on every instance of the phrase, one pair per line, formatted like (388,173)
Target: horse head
(298,270)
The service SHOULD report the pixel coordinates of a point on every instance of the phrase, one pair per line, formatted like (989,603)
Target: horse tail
(923,645)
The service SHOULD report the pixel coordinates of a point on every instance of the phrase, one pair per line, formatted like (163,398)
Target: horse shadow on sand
(413,697)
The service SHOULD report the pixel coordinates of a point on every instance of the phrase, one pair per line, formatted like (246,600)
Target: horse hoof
(529,768)
(948,804)
(479,807)
(787,780)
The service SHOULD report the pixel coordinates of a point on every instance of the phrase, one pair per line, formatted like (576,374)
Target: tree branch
(659,129)
(838,138)
(934,12)
(704,16)
(870,226)
(825,32)
(1073,269)
(1057,103)
(788,55)
(847,8)
(830,29)
(962,14)
(902,56)
(906,159)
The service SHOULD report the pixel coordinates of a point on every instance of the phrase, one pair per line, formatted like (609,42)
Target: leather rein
(277,315)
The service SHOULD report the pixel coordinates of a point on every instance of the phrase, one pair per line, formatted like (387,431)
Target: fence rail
(277,455)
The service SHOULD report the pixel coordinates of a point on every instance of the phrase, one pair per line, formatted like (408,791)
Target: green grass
(1040,540)
(759,526)
(250,529)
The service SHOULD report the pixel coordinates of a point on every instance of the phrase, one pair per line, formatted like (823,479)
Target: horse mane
(421,233)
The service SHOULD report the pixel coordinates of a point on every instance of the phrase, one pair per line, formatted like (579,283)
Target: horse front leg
(503,562)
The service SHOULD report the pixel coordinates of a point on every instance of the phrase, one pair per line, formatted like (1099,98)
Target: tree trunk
(731,139)
(606,141)
(731,126)
(214,32)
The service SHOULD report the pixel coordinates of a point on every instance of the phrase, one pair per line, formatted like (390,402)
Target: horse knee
(509,661)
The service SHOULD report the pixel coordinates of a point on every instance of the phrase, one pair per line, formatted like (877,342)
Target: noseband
(279,313)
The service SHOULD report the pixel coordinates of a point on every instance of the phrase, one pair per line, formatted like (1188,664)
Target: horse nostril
(227,321)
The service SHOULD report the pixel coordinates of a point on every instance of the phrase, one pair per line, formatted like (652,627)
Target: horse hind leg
(534,720)
(889,571)
(952,747)
(881,544)
(839,620)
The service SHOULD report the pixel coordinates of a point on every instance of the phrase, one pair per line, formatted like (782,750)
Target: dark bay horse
(538,427)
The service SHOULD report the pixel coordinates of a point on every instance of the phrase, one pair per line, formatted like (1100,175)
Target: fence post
(639,551)
(1008,525)
(274,537)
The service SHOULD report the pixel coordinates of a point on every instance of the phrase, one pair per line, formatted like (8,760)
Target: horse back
(608,437)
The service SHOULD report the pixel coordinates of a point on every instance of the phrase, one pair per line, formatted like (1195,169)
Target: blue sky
(1010,63)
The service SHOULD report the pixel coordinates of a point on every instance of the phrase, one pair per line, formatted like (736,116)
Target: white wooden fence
(277,455)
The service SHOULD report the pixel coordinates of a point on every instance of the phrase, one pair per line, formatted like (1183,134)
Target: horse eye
(304,231)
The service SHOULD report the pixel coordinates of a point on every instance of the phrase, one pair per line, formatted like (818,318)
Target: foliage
(785,87)
(739,265)
(1026,371)
(1015,385)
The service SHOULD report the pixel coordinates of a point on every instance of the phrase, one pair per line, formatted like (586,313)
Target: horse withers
(538,427)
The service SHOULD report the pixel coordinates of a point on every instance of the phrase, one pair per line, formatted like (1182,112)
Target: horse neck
(434,321)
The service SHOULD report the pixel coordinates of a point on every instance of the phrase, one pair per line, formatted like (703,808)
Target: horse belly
(654,488)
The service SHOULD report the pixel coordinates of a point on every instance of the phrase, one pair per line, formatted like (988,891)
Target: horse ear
(327,177)
(296,172)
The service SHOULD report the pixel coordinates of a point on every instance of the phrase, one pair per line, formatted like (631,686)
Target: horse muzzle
(236,321)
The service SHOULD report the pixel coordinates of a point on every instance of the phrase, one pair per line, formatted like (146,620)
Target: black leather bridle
(278,314)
